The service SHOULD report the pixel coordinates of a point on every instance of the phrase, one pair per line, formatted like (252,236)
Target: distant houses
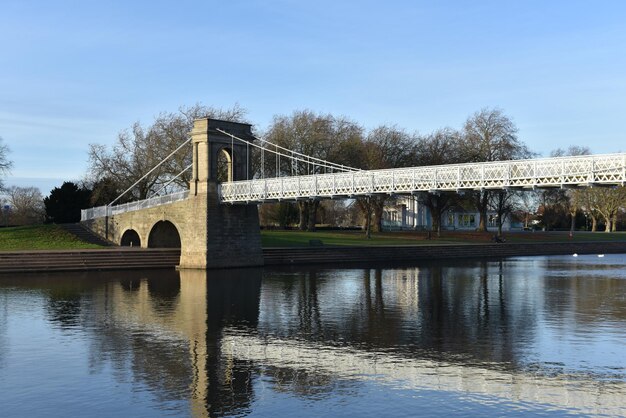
(407,213)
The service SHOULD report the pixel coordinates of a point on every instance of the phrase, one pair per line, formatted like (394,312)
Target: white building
(409,213)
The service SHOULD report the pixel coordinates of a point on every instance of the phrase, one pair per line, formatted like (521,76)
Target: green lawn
(301,238)
(40,237)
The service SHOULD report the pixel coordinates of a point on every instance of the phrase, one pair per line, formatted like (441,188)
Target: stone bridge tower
(219,235)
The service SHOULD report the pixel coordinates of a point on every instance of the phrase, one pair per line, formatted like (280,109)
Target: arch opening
(130,238)
(224,165)
(164,235)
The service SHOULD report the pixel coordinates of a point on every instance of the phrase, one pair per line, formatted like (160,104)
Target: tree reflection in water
(172,332)
(434,311)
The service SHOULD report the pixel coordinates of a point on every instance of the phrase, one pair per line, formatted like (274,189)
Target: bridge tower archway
(164,234)
(221,152)
(130,238)
(225,165)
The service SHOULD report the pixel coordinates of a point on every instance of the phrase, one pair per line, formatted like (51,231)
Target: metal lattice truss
(108,210)
(579,171)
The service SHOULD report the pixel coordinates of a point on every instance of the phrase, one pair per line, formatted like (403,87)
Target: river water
(519,336)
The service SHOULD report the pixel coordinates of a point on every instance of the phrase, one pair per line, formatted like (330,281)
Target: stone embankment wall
(136,258)
(212,235)
(87,260)
(376,254)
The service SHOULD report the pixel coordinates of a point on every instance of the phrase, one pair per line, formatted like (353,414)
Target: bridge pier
(222,235)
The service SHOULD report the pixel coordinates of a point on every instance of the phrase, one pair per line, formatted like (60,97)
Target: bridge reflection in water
(225,340)
(176,322)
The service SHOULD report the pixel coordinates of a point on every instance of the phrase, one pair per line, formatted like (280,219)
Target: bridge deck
(523,174)
(580,171)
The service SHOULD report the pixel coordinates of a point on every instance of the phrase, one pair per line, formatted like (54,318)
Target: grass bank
(40,237)
(53,237)
(273,238)
(350,238)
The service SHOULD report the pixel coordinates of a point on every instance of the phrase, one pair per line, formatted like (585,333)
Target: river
(518,336)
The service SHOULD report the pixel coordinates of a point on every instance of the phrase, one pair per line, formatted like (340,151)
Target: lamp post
(5,211)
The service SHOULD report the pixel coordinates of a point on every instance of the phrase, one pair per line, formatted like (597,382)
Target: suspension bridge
(215,222)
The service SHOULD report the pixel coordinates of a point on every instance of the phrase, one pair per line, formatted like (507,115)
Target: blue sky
(78,72)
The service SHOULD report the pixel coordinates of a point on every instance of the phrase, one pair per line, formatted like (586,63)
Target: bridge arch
(130,238)
(164,234)
(225,165)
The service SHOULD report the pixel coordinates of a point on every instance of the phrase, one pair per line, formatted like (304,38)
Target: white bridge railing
(582,171)
(587,170)
(102,211)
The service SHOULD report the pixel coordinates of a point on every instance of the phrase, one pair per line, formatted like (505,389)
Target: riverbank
(141,258)
(295,238)
(75,237)
(410,254)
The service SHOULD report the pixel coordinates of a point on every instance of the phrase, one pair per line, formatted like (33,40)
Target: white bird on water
(574,255)
(600,255)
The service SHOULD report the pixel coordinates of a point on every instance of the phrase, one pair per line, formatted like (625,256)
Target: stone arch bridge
(216,224)
(210,234)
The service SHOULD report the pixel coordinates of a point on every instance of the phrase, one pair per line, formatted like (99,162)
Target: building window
(390,215)
(467,220)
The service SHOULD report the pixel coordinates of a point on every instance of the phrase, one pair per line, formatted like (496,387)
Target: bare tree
(608,203)
(616,217)
(134,155)
(139,149)
(588,199)
(503,203)
(385,147)
(573,198)
(490,135)
(282,214)
(334,213)
(316,135)
(527,201)
(172,130)
(5,163)
(597,202)
(26,205)
(440,147)
(553,208)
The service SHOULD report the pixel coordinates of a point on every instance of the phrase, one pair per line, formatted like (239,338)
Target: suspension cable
(295,156)
(232,160)
(307,158)
(170,182)
(262,162)
(150,172)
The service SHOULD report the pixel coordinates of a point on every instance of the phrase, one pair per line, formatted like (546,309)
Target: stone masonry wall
(212,235)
